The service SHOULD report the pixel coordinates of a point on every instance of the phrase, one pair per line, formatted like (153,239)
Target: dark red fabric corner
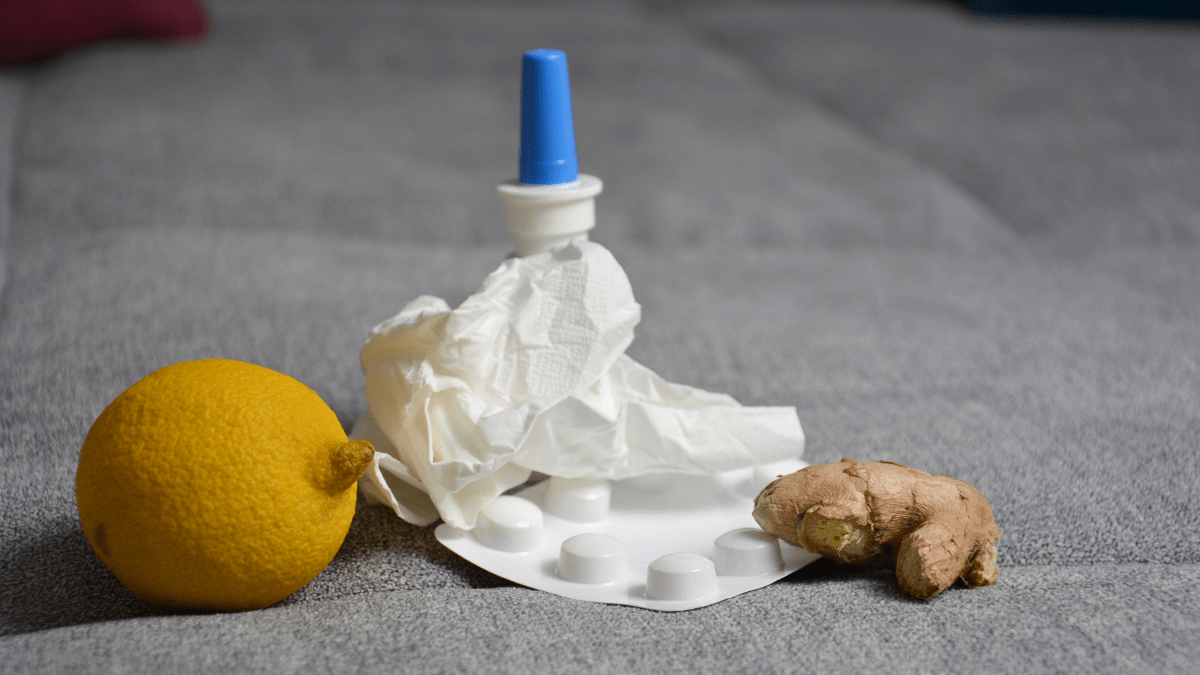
(34,28)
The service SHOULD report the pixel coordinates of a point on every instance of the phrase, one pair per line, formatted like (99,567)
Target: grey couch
(971,246)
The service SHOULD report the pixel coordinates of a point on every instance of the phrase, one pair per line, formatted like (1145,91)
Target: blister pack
(667,542)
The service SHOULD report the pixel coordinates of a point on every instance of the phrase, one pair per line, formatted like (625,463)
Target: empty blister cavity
(764,474)
(592,558)
(747,552)
(651,484)
(680,577)
(510,524)
(580,500)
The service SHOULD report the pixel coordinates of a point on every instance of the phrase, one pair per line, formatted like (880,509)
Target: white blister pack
(667,542)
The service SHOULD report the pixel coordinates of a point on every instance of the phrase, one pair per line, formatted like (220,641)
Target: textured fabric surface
(960,245)
(11,87)
(787,627)
(1074,134)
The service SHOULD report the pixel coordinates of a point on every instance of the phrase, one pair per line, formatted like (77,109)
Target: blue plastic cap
(547,129)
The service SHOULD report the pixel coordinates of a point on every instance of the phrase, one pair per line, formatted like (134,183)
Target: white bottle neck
(544,216)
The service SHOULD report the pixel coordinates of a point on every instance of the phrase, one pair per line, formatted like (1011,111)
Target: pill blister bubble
(592,558)
(510,524)
(681,576)
(747,552)
(580,500)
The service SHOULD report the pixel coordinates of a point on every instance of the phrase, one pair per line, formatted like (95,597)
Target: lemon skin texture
(217,484)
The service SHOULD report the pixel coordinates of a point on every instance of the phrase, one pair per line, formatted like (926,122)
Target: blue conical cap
(547,129)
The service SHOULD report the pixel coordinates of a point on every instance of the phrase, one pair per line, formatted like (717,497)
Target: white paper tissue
(530,374)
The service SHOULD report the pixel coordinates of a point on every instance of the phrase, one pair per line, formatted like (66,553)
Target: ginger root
(937,529)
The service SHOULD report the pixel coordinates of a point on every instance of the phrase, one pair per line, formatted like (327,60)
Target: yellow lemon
(217,484)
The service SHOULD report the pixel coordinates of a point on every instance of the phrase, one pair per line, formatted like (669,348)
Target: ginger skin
(938,529)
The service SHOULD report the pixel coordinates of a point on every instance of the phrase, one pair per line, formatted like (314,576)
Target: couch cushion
(11,89)
(1077,135)
(366,121)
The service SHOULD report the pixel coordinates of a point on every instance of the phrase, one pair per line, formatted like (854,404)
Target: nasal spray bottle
(551,202)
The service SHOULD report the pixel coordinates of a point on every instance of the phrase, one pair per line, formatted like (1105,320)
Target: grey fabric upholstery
(968,246)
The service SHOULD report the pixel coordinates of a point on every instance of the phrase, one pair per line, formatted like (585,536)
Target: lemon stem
(347,461)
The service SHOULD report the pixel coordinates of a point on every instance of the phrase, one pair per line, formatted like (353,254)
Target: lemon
(217,484)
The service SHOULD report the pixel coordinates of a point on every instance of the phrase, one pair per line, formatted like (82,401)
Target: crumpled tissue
(530,374)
